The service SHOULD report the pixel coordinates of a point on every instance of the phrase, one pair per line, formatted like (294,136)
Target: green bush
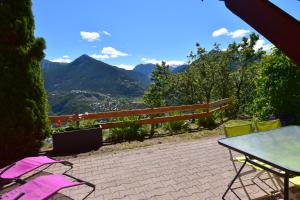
(218,116)
(24,120)
(207,122)
(277,87)
(82,124)
(130,131)
(176,126)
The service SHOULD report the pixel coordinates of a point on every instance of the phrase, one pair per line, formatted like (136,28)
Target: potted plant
(77,137)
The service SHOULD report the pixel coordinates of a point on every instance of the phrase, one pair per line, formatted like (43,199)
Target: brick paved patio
(198,169)
(188,170)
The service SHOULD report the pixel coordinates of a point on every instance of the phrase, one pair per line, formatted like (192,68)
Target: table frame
(249,158)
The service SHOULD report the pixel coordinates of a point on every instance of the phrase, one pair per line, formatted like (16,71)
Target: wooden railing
(207,108)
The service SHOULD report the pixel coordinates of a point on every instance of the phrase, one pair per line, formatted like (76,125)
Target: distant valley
(89,85)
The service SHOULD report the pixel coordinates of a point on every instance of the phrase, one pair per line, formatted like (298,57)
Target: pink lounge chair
(26,165)
(43,187)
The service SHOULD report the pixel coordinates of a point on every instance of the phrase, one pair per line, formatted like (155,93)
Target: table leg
(286,187)
(236,176)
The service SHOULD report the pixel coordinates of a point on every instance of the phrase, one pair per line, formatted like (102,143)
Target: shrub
(207,122)
(218,116)
(176,126)
(128,132)
(82,124)
(277,88)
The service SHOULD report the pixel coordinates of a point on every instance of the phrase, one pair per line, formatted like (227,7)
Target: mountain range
(89,85)
(88,74)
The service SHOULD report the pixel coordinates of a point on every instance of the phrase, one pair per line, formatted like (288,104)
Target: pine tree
(23,100)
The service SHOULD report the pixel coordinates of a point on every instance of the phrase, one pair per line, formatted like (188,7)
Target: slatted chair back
(268,125)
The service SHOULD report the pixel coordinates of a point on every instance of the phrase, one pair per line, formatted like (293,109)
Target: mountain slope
(180,69)
(147,69)
(86,73)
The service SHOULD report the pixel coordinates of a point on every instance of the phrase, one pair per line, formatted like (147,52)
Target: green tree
(23,111)
(243,60)
(157,93)
(224,82)
(183,88)
(277,83)
(205,65)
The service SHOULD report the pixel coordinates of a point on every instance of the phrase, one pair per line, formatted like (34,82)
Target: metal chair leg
(233,180)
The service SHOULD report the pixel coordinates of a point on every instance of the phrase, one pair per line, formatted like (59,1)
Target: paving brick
(198,169)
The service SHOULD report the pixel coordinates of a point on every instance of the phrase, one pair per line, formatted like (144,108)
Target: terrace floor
(198,169)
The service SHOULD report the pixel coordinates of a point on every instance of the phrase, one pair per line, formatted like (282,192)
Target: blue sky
(129,32)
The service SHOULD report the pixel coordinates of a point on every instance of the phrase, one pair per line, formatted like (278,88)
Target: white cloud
(152,61)
(261,44)
(239,33)
(106,33)
(234,34)
(173,63)
(109,52)
(63,59)
(90,36)
(124,66)
(112,52)
(99,56)
(219,32)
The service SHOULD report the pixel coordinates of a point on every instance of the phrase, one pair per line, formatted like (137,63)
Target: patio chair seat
(26,165)
(242,159)
(40,188)
(295,180)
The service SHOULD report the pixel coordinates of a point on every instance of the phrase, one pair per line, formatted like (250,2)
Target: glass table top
(279,147)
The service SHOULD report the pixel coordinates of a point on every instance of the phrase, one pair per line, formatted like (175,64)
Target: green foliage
(205,66)
(218,116)
(244,58)
(176,126)
(157,93)
(277,83)
(211,75)
(130,131)
(183,88)
(82,124)
(207,122)
(24,122)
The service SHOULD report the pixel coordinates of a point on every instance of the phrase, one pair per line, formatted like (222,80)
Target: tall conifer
(23,100)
